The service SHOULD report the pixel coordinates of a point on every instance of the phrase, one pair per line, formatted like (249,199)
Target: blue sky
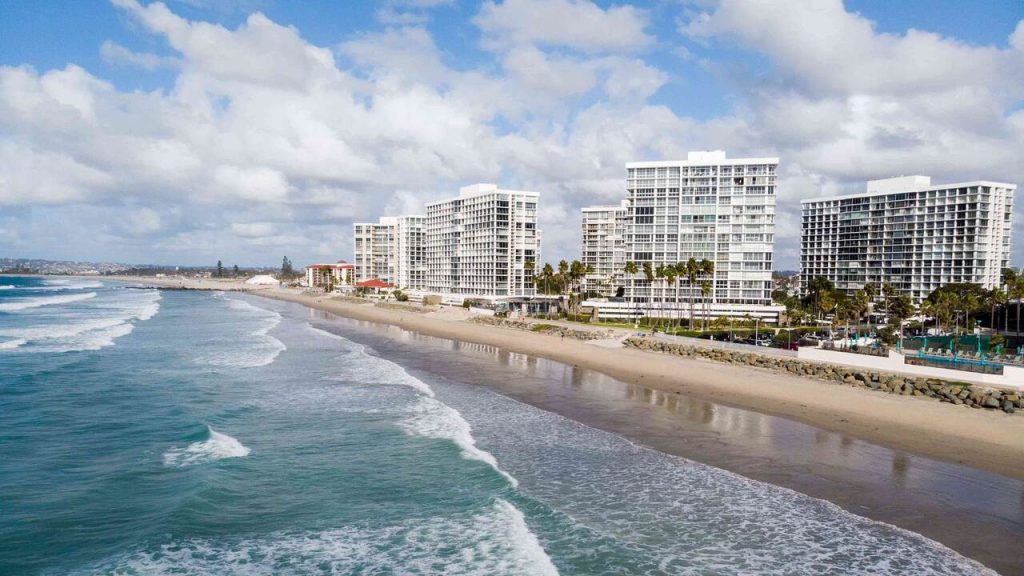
(199,130)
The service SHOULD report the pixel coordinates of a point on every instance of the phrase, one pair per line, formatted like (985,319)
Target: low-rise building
(329,277)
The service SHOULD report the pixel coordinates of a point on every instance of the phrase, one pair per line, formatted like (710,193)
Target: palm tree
(1018,294)
(707,269)
(870,290)
(994,298)
(547,273)
(888,291)
(692,270)
(818,288)
(630,269)
(705,291)
(649,274)
(671,275)
(659,274)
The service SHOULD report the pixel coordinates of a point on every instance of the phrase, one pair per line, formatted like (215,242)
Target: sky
(191,131)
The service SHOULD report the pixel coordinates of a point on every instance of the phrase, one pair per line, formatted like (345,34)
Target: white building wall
(478,244)
(604,247)
(705,207)
(909,233)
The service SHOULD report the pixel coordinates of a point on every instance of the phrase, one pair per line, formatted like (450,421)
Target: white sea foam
(90,333)
(27,303)
(495,540)
(11,344)
(262,349)
(66,285)
(217,446)
(677,516)
(433,419)
(89,340)
(8,287)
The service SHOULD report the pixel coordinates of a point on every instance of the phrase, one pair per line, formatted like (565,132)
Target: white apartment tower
(707,207)
(910,233)
(604,247)
(485,243)
(391,250)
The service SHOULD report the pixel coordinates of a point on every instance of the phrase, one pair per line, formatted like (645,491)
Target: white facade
(330,276)
(707,207)
(483,243)
(909,233)
(391,250)
(604,247)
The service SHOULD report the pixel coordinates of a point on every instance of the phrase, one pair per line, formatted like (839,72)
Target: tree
(547,274)
(707,269)
(220,270)
(649,275)
(888,291)
(630,270)
(692,270)
(286,268)
(902,308)
(818,288)
(671,275)
(705,291)
(994,299)
(235,271)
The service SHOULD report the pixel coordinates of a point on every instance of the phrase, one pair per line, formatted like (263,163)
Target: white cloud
(253,229)
(114,53)
(843,103)
(265,137)
(576,24)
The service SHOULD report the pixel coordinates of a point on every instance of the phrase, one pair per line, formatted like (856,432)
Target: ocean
(147,432)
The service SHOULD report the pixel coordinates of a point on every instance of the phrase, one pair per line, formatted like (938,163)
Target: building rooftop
(702,158)
(374,283)
(898,184)
(481,189)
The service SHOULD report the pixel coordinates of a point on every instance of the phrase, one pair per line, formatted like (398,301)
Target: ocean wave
(433,419)
(90,333)
(672,515)
(494,540)
(8,287)
(87,341)
(216,446)
(28,303)
(261,350)
(80,285)
(12,344)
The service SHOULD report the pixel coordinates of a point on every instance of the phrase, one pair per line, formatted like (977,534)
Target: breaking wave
(493,540)
(29,303)
(216,446)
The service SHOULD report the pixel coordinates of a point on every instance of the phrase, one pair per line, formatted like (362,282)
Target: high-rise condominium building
(910,233)
(392,250)
(707,207)
(483,243)
(604,247)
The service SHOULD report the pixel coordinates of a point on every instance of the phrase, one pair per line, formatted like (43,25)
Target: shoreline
(926,470)
(977,438)
(988,441)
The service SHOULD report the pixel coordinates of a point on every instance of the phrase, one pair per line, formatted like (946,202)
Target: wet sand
(977,513)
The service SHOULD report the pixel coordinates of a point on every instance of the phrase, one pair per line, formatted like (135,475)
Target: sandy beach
(991,441)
